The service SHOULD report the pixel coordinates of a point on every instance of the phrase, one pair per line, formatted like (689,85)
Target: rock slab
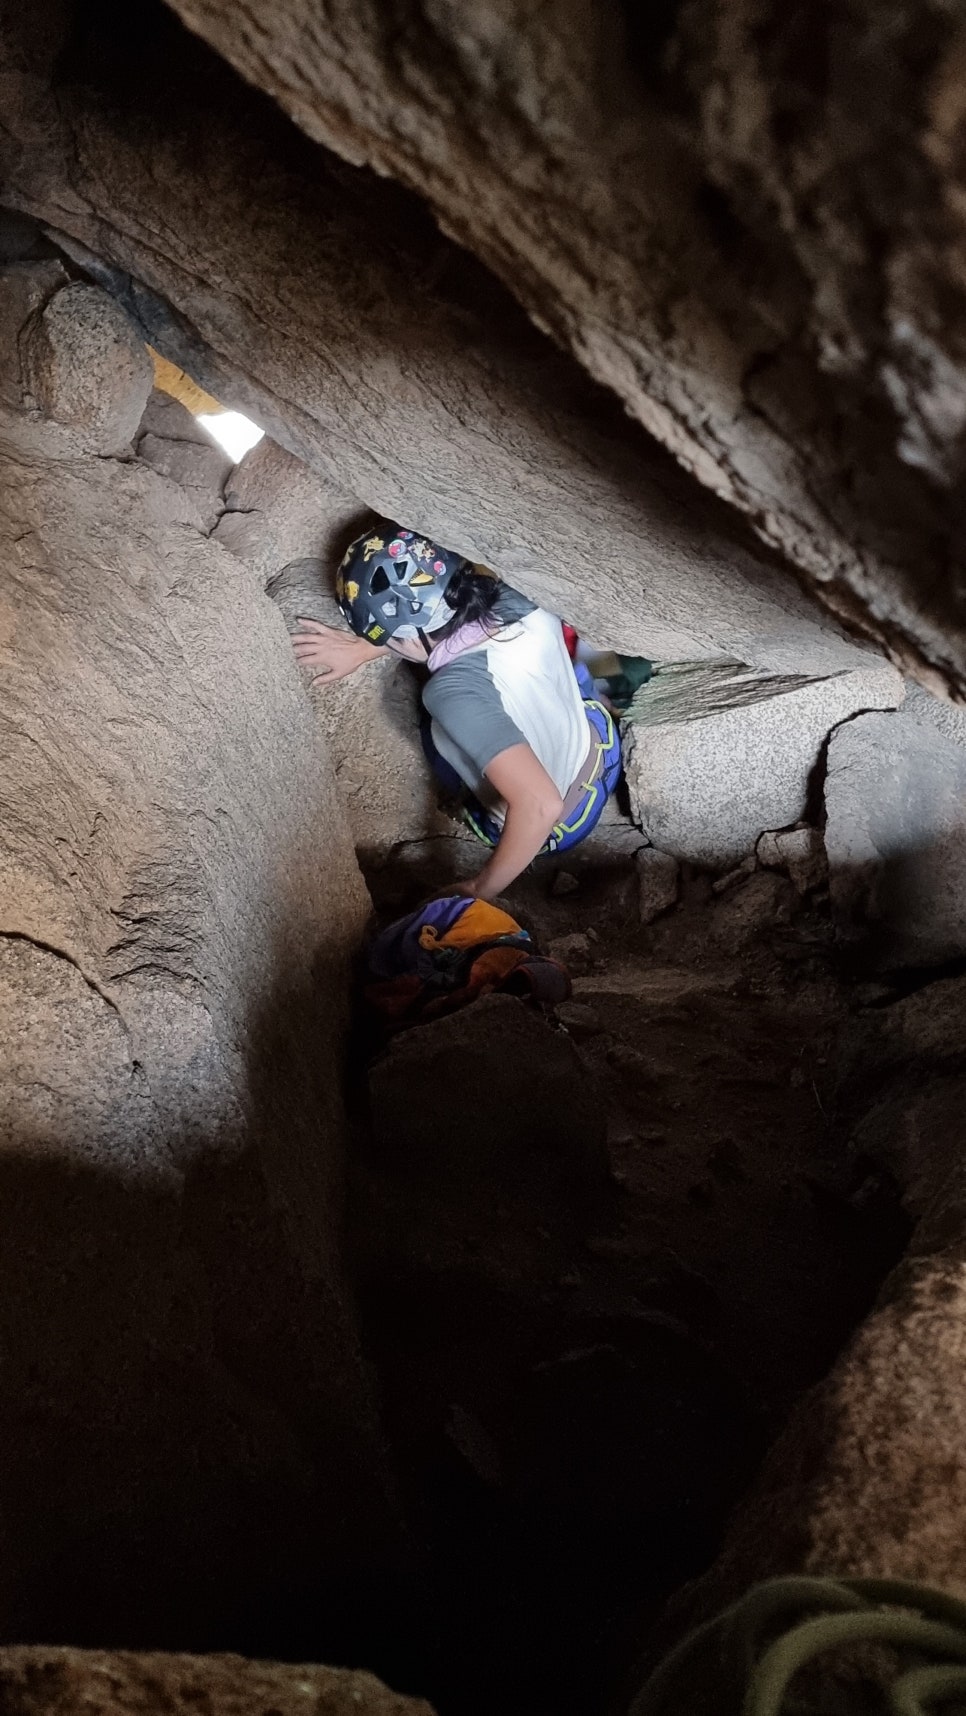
(185,1419)
(704,787)
(39,1680)
(174,445)
(657,882)
(895,798)
(88,367)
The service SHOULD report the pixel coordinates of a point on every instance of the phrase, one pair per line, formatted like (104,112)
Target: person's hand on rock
(332,652)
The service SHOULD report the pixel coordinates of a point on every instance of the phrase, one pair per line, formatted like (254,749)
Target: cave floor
(580,1379)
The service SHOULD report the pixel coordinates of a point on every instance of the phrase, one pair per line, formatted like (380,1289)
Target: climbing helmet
(392,583)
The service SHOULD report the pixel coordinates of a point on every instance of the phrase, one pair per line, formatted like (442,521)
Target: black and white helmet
(392,583)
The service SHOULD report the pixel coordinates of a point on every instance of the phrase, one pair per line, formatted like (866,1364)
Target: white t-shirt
(517,686)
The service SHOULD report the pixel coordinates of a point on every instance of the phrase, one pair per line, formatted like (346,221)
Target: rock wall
(185,1421)
(868,1478)
(329,308)
(746,220)
(35,1682)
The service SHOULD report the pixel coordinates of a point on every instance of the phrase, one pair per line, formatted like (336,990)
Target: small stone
(740,873)
(803,856)
(88,367)
(768,852)
(581,1021)
(657,875)
(570,950)
(563,883)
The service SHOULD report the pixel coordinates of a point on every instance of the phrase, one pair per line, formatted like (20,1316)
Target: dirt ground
(583,1355)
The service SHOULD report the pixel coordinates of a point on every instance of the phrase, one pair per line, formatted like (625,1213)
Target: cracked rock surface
(178,900)
(746,220)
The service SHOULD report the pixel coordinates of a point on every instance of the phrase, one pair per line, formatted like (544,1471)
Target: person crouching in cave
(510,722)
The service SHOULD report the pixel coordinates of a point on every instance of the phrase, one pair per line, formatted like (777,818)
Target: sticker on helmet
(422,578)
(423,550)
(406,535)
(375,633)
(438,566)
(374,545)
(351,590)
(395,548)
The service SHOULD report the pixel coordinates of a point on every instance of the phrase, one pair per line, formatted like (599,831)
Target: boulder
(915,1134)
(37,1680)
(869,1477)
(493,1095)
(371,727)
(767,272)
(185,1424)
(657,879)
(713,758)
(174,445)
(944,717)
(395,367)
(895,797)
(25,287)
(800,851)
(87,366)
(277,511)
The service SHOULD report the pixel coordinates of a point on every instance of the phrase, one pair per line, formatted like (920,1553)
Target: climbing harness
(602,777)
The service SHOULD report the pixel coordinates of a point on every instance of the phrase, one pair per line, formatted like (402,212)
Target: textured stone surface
(704,788)
(657,880)
(946,718)
(277,511)
(895,798)
(86,365)
(870,1476)
(390,362)
(916,1135)
(527,1116)
(769,272)
(800,851)
(25,287)
(174,445)
(371,726)
(178,904)
(47,1681)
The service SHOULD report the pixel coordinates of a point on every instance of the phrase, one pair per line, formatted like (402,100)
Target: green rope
(780,1664)
(921,1687)
(744,1661)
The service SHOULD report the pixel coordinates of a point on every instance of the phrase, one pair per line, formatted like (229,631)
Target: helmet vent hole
(402,567)
(380,580)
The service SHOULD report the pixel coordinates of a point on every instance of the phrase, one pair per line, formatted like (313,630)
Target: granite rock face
(371,728)
(174,445)
(895,798)
(746,221)
(278,511)
(40,1680)
(389,361)
(86,366)
(179,900)
(706,779)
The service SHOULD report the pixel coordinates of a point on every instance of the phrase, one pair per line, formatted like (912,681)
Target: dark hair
(473,595)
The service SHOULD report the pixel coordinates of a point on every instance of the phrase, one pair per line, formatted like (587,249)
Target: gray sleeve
(464,700)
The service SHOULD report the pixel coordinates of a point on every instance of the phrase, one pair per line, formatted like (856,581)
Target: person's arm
(333,652)
(533,806)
